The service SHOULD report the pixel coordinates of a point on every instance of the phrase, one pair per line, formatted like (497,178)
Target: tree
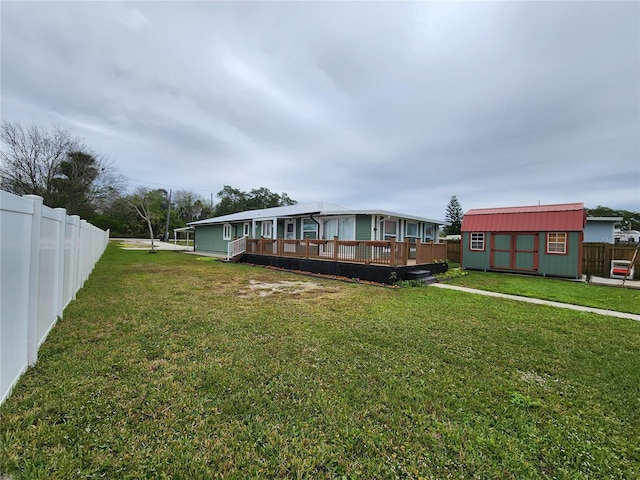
(630,220)
(233,200)
(57,167)
(148,205)
(453,217)
(72,185)
(31,158)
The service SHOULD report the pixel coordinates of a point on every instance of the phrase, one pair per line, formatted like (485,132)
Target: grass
(559,290)
(174,366)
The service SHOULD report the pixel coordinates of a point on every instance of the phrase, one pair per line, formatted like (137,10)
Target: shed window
(477,241)
(226,231)
(557,243)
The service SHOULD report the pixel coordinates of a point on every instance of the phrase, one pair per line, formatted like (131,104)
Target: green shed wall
(548,264)
(472,259)
(561,265)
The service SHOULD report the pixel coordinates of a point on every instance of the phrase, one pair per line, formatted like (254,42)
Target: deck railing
(236,247)
(388,252)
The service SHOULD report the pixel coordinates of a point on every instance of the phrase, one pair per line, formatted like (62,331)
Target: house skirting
(371,273)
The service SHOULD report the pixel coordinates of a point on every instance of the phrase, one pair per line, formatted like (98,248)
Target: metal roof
(318,208)
(567,217)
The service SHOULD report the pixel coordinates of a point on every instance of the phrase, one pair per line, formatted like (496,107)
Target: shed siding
(500,251)
(473,259)
(561,265)
(363,227)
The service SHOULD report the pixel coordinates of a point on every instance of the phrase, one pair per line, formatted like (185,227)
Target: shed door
(514,251)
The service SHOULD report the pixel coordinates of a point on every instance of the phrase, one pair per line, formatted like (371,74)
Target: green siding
(209,239)
(561,265)
(363,227)
(473,259)
(548,264)
(501,242)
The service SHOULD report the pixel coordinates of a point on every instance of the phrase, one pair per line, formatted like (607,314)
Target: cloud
(387,105)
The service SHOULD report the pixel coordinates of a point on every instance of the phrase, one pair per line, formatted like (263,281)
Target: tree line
(66,173)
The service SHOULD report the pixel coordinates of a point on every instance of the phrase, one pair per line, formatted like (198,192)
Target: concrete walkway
(569,306)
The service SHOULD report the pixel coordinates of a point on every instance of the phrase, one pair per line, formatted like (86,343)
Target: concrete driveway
(145,244)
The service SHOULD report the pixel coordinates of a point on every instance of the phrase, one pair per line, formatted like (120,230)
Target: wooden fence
(453,250)
(596,257)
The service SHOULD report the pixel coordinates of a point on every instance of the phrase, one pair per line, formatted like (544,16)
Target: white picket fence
(45,258)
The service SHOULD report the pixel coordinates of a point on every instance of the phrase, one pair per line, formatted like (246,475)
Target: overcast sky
(388,105)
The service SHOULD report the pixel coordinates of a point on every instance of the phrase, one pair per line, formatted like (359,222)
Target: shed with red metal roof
(539,239)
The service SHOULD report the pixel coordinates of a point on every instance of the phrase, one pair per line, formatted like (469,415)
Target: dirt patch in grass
(265,289)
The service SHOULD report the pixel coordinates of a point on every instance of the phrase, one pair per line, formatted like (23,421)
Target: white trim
(287,222)
(477,241)
(226,231)
(557,243)
(266,229)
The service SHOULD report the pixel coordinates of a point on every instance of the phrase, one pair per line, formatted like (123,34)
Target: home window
(411,229)
(226,231)
(389,228)
(477,241)
(245,230)
(557,243)
(309,229)
(265,229)
(343,228)
(428,233)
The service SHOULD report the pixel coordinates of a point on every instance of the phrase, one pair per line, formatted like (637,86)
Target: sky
(367,105)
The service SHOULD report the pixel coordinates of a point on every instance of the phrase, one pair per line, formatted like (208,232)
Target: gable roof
(317,208)
(569,217)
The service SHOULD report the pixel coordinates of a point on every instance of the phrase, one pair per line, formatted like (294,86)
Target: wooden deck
(388,253)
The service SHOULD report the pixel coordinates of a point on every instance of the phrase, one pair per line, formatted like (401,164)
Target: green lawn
(174,366)
(616,298)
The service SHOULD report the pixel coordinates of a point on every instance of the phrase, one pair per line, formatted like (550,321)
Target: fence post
(73,251)
(392,252)
(406,252)
(335,248)
(61,215)
(34,276)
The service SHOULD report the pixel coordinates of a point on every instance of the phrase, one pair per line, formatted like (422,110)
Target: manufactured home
(321,232)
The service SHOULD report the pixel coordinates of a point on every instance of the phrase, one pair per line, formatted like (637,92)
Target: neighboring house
(626,236)
(542,240)
(600,229)
(315,221)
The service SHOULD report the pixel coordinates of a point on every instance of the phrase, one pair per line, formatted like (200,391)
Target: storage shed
(541,239)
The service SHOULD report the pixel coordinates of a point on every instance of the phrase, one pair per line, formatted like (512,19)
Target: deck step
(418,274)
(423,276)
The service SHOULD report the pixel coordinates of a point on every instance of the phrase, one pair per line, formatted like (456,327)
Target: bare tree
(31,158)
(145,201)
(58,167)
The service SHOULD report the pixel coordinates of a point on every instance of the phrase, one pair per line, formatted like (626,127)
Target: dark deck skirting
(371,273)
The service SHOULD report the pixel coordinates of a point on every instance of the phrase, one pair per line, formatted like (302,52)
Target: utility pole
(166,229)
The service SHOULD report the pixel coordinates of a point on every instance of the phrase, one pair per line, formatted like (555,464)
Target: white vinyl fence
(45,258)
